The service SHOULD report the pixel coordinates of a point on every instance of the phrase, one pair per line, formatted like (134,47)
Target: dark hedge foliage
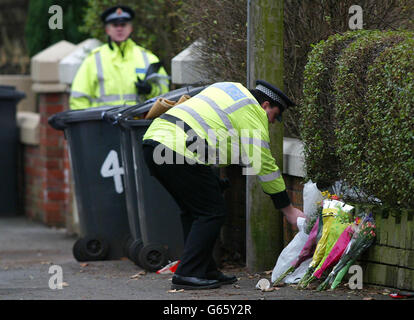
(37,32)
(318,120)
(357,117)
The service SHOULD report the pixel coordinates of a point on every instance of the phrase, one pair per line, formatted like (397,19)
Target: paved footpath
(28,250)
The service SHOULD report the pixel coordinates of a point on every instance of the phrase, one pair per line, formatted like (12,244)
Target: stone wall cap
(70,64)
(44,65)
(50,87)
(293,157)
(185,67)
(28,124)
(55,52)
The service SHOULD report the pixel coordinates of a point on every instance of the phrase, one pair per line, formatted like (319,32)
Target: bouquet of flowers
(332,229)
(336,252)
(362,239)
(341,222)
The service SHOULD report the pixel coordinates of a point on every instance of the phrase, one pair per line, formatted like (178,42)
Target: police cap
(117,14)
(275,95)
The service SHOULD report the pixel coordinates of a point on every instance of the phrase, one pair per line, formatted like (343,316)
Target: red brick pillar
(49,187)
(54,194)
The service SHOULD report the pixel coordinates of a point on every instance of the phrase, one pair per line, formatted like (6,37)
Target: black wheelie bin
(154,216)
(94,152)
(9,139)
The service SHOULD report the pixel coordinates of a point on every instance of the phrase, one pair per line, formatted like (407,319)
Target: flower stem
(308,281)
(305,278)
(324,284)
(283,275)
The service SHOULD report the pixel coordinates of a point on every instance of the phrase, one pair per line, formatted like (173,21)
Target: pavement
(29,251)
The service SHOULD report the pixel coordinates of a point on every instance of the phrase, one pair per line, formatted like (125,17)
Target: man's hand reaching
(292,214)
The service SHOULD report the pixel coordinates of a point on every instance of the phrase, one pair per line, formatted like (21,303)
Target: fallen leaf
(236,286)
(83,265)
(268,272)
(280,284)
(175,290)
(368,298)
(135,276)
(65,284)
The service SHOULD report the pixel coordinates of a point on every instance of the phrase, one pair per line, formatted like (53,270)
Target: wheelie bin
(94,152)
(9,138)
(154,216)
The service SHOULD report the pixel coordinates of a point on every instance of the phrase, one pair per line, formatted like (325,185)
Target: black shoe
(193,283)
(220,277)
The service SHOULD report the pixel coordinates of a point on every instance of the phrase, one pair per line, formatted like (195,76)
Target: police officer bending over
(114,73)
(225,120)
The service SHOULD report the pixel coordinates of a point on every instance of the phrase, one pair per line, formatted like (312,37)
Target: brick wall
(294,187)
(47,191)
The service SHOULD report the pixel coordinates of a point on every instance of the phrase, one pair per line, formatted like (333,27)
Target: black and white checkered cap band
(271,94)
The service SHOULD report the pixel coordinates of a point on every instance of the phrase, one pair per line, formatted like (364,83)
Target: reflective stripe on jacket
(230,119)
(107,76)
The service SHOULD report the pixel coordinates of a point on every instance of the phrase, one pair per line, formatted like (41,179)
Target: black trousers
(196,190)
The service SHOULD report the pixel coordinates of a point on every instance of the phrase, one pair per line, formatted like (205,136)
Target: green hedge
(318,121)
(357,123)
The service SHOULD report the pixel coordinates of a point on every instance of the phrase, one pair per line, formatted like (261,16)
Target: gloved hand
(143,87)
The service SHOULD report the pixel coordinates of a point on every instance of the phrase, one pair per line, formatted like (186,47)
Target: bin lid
(60,121)
(126,119)
(10,93)
(116,116)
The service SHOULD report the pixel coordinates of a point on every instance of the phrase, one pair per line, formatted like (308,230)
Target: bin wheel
(126,244)
(94,248)
(153,257)
(134,251)
(77,250)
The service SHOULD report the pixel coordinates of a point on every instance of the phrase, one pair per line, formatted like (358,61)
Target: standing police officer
(114,73)
(224,120)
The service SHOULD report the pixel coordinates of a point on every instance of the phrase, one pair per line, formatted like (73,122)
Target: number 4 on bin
(110,168)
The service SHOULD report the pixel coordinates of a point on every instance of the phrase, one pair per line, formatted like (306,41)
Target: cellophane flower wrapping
(333,226)
(290,252)
(303,244)
(362,239)
(340,223)
(336,252)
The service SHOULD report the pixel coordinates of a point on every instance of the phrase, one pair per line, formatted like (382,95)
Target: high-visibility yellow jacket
(231,121)
(107,76)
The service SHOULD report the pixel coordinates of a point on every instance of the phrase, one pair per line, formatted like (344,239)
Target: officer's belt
(195,138)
